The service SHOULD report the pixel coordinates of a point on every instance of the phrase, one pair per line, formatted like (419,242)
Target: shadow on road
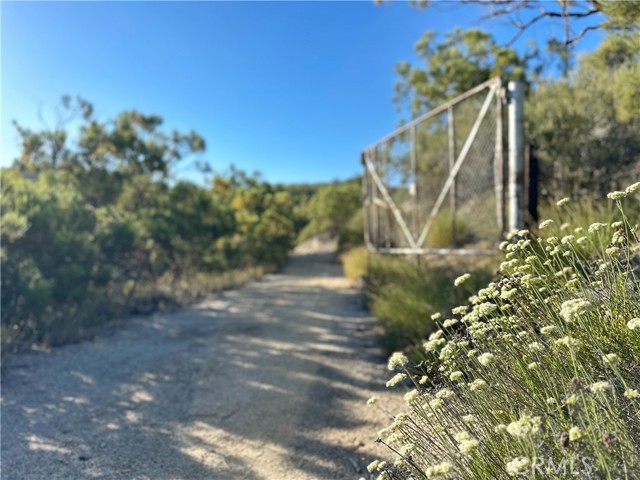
(268,381)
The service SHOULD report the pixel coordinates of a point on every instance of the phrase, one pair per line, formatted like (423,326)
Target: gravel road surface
(265,382)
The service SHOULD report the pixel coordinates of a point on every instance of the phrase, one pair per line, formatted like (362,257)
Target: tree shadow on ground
(259,379)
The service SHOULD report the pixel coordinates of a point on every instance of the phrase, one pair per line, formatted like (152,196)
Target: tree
(106,152)
(577,18)
(335,208)
(93,229)
(453,65)
(586,128)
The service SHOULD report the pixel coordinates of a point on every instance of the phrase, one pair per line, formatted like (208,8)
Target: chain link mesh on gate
(436,185)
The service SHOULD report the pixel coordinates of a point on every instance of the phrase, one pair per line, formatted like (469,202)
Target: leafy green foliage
(403,295)
(88,232)
(586,129)
(585,126)
(335,208)
(460,61)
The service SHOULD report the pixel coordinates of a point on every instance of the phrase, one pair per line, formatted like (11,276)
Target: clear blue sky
(292,89)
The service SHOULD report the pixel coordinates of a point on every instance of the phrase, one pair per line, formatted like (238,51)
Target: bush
(351,234)
(99,229)
(332,209)
(403,296)
(354,263)
(538,376)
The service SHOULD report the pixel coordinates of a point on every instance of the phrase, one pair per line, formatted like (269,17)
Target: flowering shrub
(539,377)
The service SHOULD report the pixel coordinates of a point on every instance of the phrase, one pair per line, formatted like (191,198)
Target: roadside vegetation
(335,209)
(102,229)
(403,295)
(537,374)
(527,367)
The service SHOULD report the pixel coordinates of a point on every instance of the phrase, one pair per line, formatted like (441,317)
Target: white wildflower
(486,359)
(631,393)
(477,384)
(449,323)
(594,227)
(372,401)
(526,425)
(633,324)
(509,294)
(400,463)
(500,428)
(461,279)
(469,419)
(433,344)
(468,446)
(445,393)
(610,358)
(411,396)
(518,465)
(575,434)
(568,342)
(397,360)
(545,224)
(436,335)
(535,347)
(617,195)
(439,470)
(562,202)
(573,309)
(460,310)
(600,387)
(457,375)
(396,379)
(632,188)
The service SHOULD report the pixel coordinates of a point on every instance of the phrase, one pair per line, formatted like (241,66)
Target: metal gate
(437,184)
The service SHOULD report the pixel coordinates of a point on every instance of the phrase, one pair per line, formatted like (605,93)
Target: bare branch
(583,32)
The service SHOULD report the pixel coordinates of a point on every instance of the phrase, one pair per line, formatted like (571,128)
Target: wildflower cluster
(542,363)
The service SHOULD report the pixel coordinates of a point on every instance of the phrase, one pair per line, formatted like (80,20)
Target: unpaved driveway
(268,381)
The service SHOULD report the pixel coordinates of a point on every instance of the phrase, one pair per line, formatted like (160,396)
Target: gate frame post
(515,96)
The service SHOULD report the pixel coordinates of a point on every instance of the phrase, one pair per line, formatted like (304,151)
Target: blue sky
(293,89)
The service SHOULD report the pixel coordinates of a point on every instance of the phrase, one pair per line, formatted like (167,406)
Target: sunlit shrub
(538,375)
(403,295)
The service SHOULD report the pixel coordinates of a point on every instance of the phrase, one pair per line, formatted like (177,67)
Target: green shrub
(99,229)
(441,231)
(403,296)
(354,262)
(351,234)
(538,376)
(332,208)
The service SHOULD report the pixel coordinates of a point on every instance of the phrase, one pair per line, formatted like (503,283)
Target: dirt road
(265,382)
